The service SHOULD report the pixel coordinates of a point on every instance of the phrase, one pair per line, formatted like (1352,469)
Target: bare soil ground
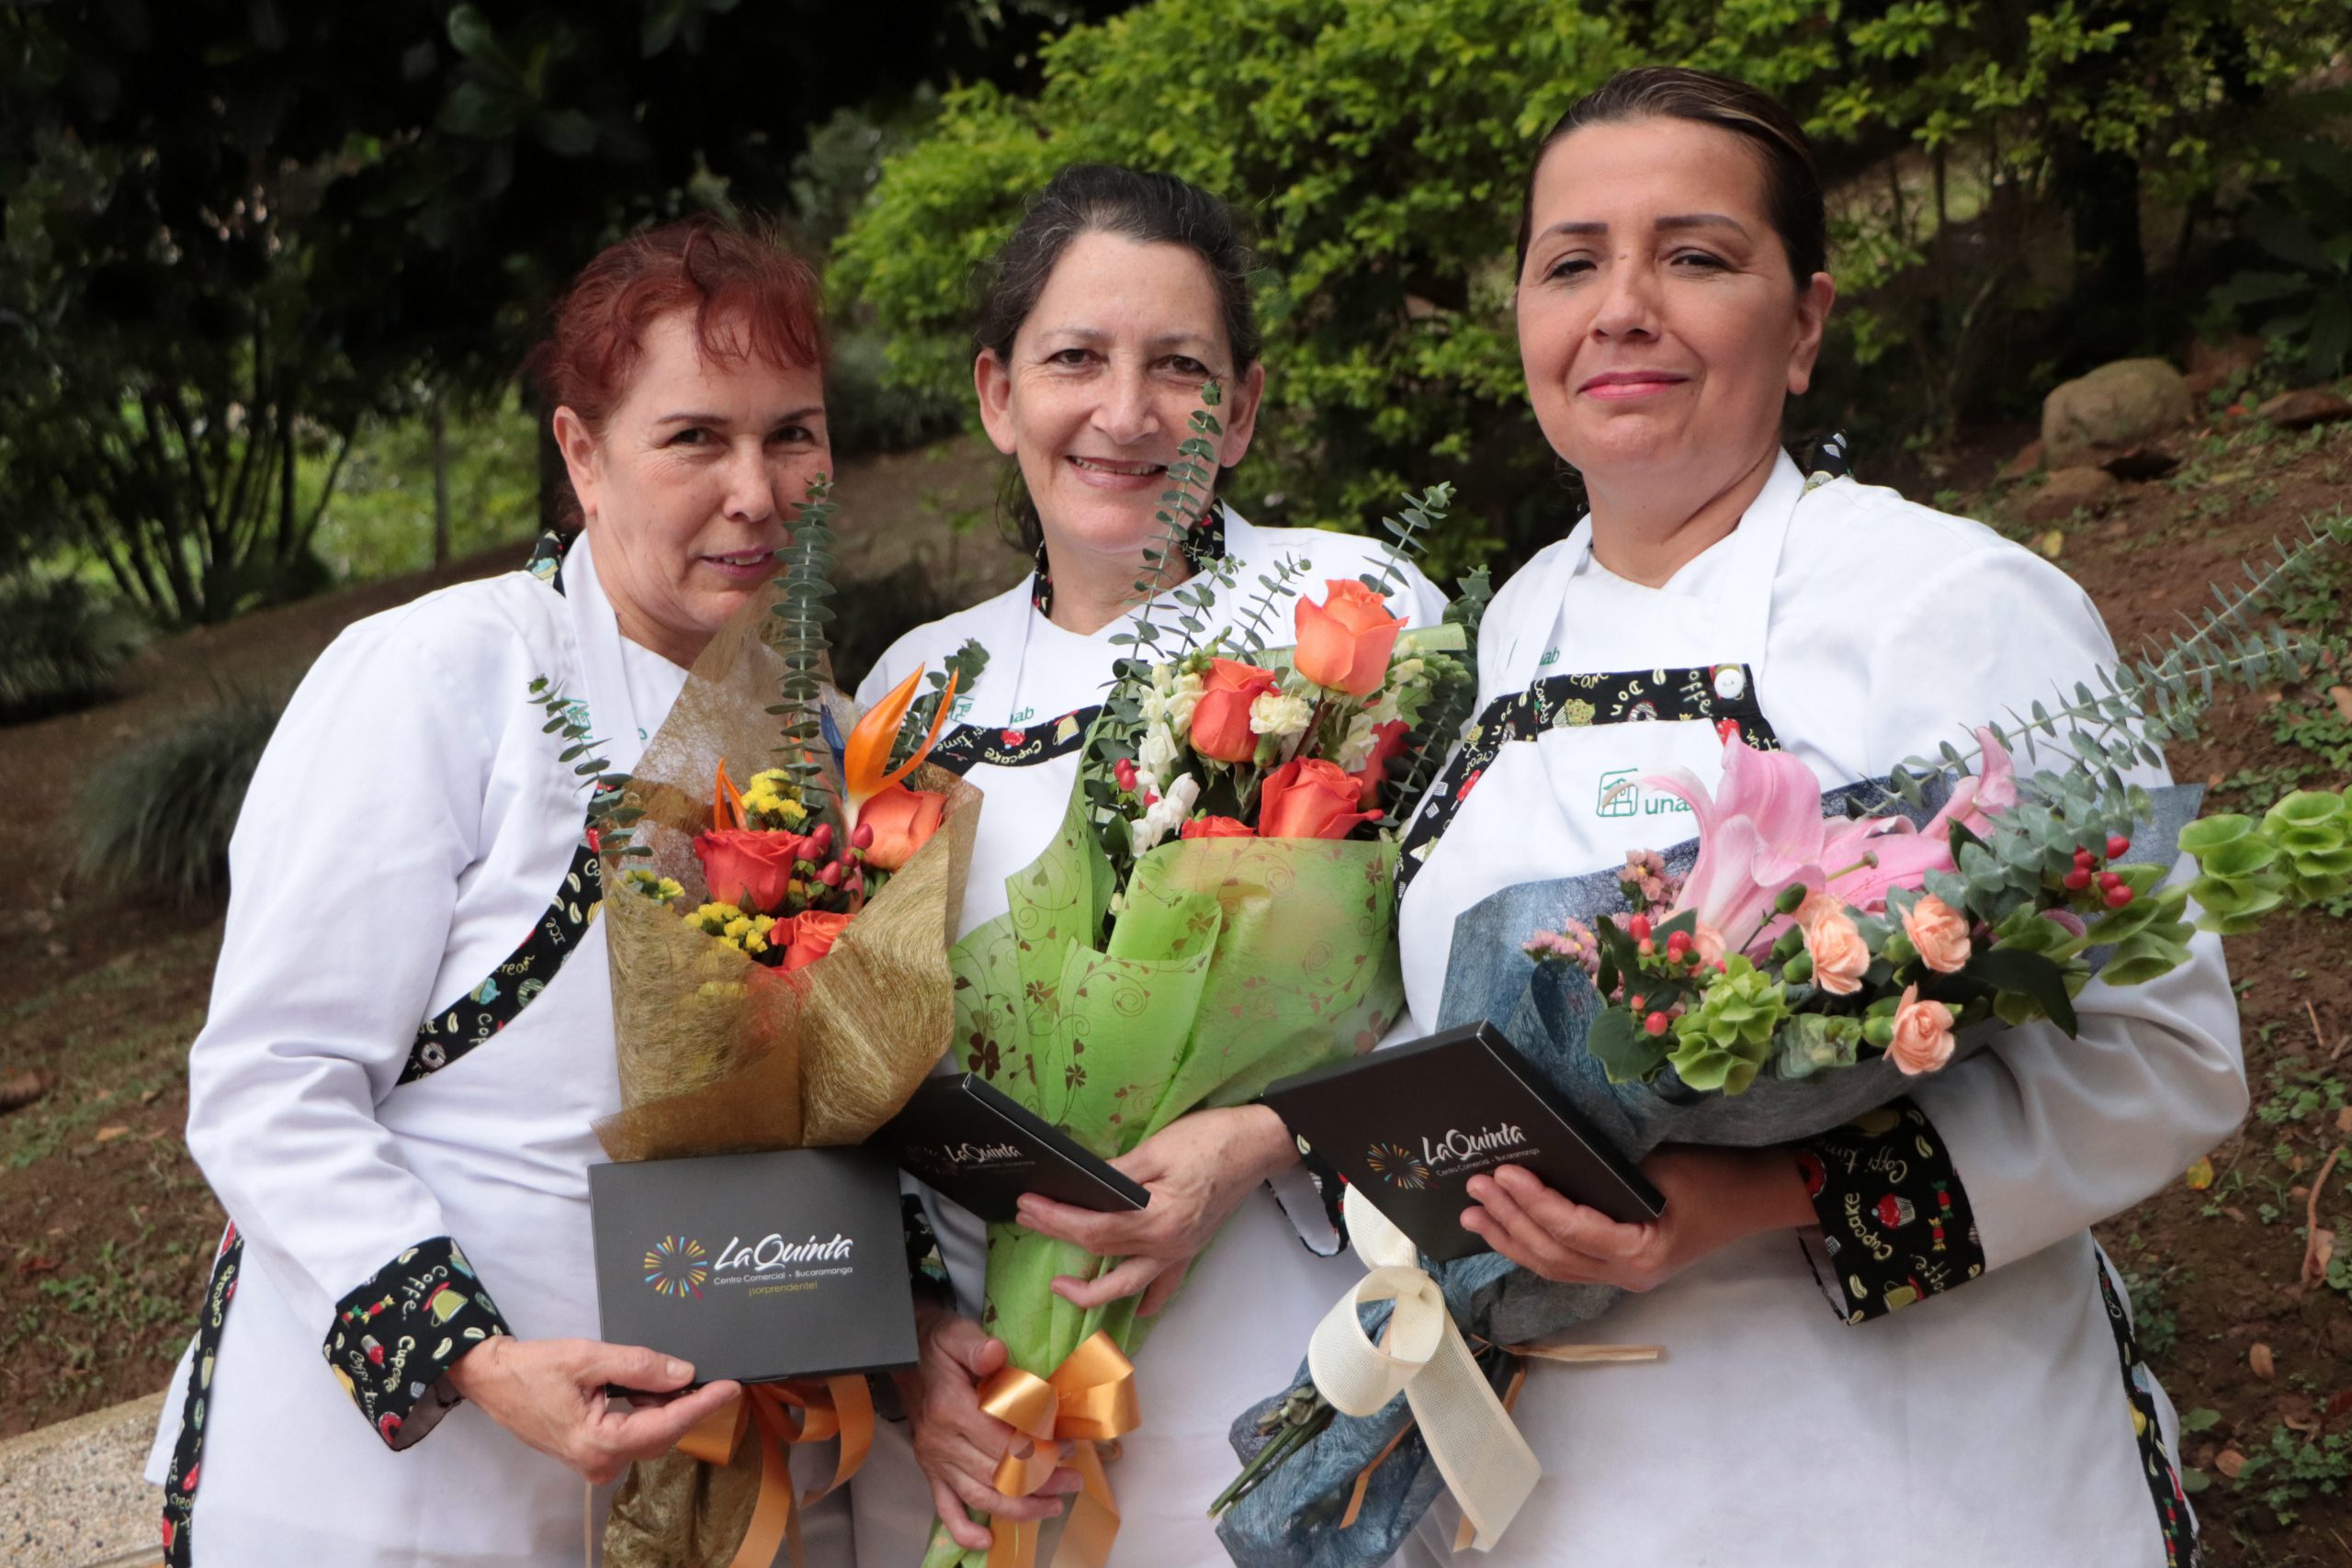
(105,1225)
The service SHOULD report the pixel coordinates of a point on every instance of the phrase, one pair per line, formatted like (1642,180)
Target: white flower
(1168,812)
(1182,701)
(1355,747)
(1156,757)
(1278,715)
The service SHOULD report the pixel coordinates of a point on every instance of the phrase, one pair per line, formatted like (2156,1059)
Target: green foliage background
(1381,148)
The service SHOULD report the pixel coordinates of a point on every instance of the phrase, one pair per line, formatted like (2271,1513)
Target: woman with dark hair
(410,1033)
(1118,294)
(1673,292)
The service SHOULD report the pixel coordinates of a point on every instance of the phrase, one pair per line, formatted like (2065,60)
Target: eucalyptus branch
(965,665)
(801,593)
(1422,513)
(2160,695)
(1451,704)
(1253,619)
(569,719)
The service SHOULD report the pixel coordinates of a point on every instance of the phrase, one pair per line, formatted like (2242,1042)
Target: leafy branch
(1252,618)
(1422,513)
(801,593)
(2159,695)
(569,719)
(1452,700)
(965,666)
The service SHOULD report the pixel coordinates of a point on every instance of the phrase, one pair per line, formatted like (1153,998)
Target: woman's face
(1101,386)
(1660,324)
(688,489)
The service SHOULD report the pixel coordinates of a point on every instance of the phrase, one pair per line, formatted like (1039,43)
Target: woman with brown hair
(1673,287)
(410,1033)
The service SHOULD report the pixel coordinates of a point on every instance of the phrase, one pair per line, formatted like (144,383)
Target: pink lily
(1763,832)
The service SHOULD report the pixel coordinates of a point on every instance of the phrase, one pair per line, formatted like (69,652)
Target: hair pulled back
(1147,207)
(1792,201)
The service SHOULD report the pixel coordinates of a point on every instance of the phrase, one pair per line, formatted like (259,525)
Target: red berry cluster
(2089,881)
(1677,965)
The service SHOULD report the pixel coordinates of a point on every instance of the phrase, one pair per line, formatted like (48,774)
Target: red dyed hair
(752,298)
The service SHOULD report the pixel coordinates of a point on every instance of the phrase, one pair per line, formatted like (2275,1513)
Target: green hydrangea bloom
(1722,1043)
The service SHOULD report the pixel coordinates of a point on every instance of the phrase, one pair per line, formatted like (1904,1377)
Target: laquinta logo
(978,1154)
(677,1266)
(1394,1163)
(1619,794)
(772,1253)
(1398,1166)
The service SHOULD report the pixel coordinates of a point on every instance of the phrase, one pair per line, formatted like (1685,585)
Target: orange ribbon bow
(1088,1399)
(836,1408)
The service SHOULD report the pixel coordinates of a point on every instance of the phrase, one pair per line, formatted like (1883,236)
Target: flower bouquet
(1788,971)
(1216,911)
(778,971)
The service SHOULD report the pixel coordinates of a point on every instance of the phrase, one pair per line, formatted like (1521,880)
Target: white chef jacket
(2003,1419)
(1194,1374)
(406,828)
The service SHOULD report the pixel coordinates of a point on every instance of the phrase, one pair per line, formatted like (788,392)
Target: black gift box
(1412,1124)
(756,1266)
(975,1145)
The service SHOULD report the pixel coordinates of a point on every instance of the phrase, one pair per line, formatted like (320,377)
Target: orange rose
(1216,827)
(747,867)
(1939,933)
(1309,798)
(1922,1033)
(1840,957)
(1221,718)
(1344,642)
(814,931)
(1388,742)
(903,820)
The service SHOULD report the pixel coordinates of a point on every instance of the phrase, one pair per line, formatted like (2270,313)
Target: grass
(159,815)
(59,646)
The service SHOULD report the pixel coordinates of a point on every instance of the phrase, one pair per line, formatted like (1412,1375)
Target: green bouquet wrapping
(1205,991)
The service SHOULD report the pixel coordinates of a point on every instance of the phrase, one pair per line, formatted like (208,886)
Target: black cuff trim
(395,1336)
(1895,1222)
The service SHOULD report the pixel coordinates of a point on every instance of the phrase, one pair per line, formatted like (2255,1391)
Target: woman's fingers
(1162,1289)
(1572,1224)
(967,1531)
(1118,1285)
(649,1430)
(631,1366)
(1104,1234)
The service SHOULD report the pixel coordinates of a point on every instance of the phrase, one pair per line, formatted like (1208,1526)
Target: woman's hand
(958,1443)
(551,1395)
(1198,1169)
(1713,1197)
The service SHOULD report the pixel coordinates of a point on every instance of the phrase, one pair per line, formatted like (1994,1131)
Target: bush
(158,818)
(1381,147)
(866,413)
(60,647)
(876,612)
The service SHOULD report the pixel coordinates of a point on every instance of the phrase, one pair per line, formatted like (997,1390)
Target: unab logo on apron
(1620,793)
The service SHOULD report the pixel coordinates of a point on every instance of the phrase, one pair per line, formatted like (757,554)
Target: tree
(237,228)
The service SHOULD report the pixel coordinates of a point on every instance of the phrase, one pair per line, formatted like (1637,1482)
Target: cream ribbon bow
(1485,1462)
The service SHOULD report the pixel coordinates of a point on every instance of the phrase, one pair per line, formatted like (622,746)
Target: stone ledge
(71,1496)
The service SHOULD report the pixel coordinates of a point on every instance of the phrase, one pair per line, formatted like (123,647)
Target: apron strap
(1723,695)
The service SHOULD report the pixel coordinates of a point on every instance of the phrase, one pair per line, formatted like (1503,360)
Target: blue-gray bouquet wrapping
(1291,1519)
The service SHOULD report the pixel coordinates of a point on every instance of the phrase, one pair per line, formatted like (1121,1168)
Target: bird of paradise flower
(1395,1165)
(677,1267)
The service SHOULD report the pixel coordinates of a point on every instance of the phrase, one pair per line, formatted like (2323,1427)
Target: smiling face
(1100,389)
(1659,325)
(688,489)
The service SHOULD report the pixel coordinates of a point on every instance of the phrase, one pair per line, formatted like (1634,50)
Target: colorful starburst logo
(1396,1165)
(677,1266)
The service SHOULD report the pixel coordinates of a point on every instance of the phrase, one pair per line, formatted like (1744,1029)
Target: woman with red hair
(410,1033)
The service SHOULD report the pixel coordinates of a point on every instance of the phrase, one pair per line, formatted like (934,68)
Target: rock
(2027,461)
(2212,364)
(2070,490)
(2142,463)
(2116,407)
(2300,411)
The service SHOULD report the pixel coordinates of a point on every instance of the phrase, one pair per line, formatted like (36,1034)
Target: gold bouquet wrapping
(722,1054)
